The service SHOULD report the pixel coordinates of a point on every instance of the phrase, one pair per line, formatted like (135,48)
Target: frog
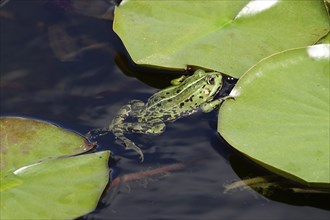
(185,96)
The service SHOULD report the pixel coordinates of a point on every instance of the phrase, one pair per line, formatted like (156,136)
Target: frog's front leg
(178,81)
(209,106)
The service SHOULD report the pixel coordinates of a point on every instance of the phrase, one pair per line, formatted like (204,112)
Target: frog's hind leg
(129,145)
(154,126)
(132,108)
(118,126)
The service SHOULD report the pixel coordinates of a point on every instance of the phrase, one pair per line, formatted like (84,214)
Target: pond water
(59,65)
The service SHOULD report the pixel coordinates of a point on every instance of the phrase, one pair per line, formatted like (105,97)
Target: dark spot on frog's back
(181,104)
(190,99)
(178,91)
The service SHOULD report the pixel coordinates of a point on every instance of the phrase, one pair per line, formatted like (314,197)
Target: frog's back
(175,101)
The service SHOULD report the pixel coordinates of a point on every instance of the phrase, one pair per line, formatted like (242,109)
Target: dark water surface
(64,67)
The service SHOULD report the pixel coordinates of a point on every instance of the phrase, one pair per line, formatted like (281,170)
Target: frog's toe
(95,133)
(132,146)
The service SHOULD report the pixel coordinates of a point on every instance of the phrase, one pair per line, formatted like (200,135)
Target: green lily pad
(279,116)
(325,40)
(25,141)
(64,188)
(227,36)
(40,179)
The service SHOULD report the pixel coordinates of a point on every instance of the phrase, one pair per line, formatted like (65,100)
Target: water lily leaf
(280,114)
(227,36)
(39,179)
(63,188)
(25,141)
(325,40)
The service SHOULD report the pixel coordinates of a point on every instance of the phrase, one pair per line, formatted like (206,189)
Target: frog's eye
(210,80)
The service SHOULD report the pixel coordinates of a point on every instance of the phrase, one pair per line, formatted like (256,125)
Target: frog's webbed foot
(95,133)
(128,144)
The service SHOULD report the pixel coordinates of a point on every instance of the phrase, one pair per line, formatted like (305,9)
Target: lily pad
(40,179)
(227,36)
(279,116)
(325,40)
(57,189)
(25,141)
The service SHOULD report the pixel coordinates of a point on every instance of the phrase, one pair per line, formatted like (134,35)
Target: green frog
(184,97)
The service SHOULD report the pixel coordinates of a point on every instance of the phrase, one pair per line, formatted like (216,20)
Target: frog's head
(212,84)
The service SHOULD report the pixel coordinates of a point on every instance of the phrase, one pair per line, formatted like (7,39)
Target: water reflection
(275,187)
